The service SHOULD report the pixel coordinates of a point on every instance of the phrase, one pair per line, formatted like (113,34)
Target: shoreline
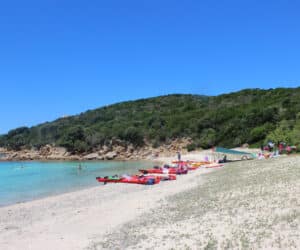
(75,220)
(103,217)
(129,167)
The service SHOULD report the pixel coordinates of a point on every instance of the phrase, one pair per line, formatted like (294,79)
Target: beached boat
(165,177)
(192,167)
(133,179)
(191,164)
(214,165)
(164,171)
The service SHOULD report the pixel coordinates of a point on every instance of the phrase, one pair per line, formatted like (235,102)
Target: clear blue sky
(62,57)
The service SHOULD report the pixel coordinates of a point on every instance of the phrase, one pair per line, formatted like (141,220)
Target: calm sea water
(24,181)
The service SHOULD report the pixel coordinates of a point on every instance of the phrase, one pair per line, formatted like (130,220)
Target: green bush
(191,147)
(134,136)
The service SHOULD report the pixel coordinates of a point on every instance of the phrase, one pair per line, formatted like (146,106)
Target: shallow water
(24,181)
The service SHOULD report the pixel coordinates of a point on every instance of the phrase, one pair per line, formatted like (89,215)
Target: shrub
(191,147)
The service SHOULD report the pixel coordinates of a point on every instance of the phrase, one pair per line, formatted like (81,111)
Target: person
(281,147)
(178,156)
(224,159)
(271,146)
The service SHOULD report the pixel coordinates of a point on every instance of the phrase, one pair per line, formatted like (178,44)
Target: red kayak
(164,171)
(134,179)
(192,168)
(165,177)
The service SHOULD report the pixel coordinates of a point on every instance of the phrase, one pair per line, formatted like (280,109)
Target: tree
(134,136)
(74,139)
(208,138)
(282,133)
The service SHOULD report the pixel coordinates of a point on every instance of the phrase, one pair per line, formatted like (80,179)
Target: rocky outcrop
(93,156)
(110,155)
(53,153)
(115,150)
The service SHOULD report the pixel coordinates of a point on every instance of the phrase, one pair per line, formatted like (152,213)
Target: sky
(61,57)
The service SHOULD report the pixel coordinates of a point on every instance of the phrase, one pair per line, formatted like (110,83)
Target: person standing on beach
(178,156)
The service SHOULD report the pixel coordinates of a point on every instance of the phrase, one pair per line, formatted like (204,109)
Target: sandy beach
(247,204)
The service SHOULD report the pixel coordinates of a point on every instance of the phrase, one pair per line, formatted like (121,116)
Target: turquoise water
(24,181)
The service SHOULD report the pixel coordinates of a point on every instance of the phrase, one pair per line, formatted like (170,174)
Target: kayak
(214,165)
(165,177)
(164,171)
(200,163)
(184,165)
(192,165)
(134,179)
(196,163)
(192,168)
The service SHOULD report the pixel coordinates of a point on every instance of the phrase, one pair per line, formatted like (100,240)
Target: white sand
(83,219)
(245,205)
(74,220)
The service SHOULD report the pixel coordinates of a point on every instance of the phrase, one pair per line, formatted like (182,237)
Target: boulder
(105,149)
(119,149)
(60,151)
(74,158)
(110,155)
(92,156)
(45,150)
(130,149)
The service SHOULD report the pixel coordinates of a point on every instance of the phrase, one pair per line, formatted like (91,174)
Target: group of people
(278,148)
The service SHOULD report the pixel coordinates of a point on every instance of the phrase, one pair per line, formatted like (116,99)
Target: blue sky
(61,57)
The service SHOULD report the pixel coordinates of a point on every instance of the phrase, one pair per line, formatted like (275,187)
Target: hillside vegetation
(248,116)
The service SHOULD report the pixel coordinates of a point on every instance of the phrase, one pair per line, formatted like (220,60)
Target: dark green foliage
(191,147)
(16,139)
(248,116)
(134,136)
(74,140)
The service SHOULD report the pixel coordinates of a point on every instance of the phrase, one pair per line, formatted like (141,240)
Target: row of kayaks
(136,179)
(156,174)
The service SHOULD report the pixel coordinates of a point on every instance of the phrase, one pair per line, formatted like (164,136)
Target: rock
(119,149)
(74,157)
(130,149)
(92,156)
(60,151)
(110,155)
(45,150)
(14,155)
(105,149)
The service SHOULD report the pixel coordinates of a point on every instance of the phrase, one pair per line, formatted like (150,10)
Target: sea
(26,181)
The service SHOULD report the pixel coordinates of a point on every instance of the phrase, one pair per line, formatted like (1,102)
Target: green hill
(248,116)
